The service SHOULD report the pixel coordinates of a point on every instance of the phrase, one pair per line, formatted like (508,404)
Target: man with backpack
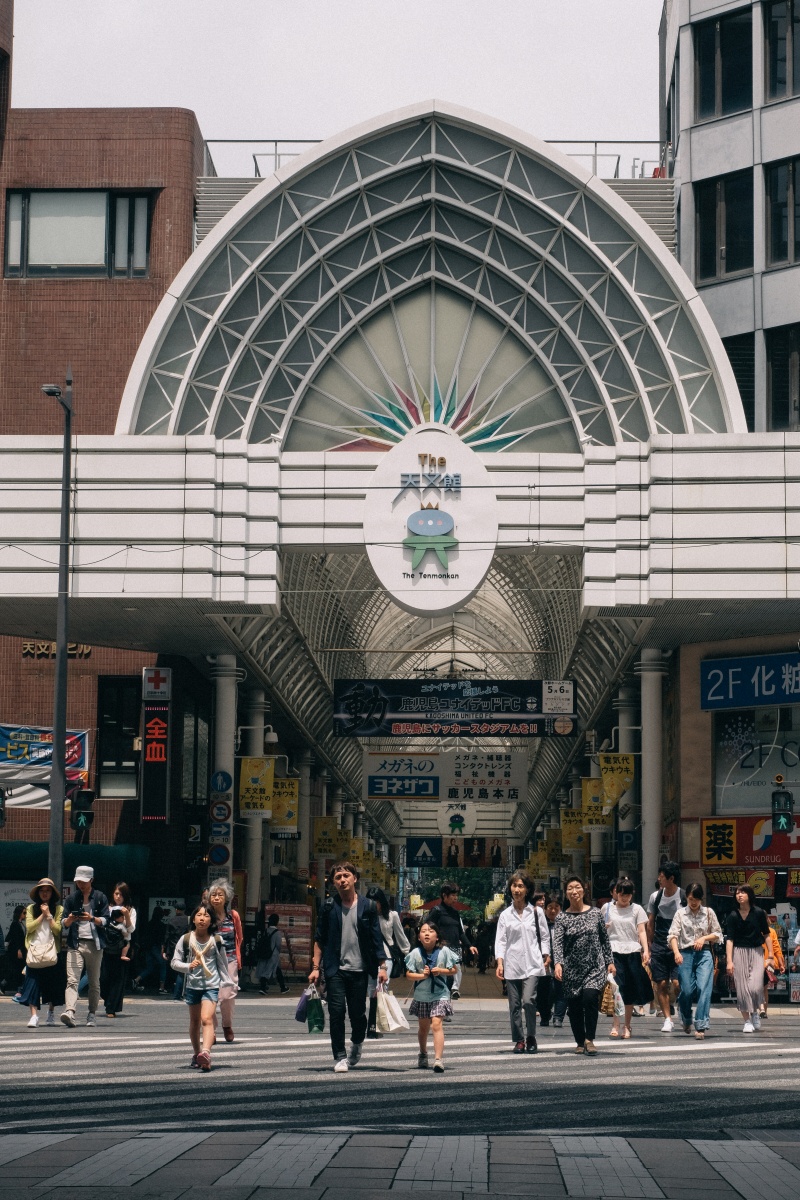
(349,945)
(661,908)
(86,915)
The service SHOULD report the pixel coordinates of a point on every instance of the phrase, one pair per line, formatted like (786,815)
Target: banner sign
(326,837)
(572,832)
(752,682)
(471,852)
(283,822)
(452,708)
(747,842)
(256,776)
(617,772)
(423,852)
(154,765)
(32,746)
(725,881)
(594,816)
(750,749)
(445,775)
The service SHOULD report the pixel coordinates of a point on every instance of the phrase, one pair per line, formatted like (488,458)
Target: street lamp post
(58,772)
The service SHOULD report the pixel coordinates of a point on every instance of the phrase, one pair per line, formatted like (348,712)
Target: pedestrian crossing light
(782,811)
(81,815)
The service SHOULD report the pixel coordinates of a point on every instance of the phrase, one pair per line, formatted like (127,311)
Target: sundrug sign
(430,522)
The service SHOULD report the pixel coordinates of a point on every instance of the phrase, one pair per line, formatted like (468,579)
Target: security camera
(52,389)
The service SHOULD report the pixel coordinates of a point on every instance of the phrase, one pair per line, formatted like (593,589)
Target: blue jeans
(696,975)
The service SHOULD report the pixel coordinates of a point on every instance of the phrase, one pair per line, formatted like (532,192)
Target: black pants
(550,994)
(113,978)
(583,1012)
(347,989)
(265,982)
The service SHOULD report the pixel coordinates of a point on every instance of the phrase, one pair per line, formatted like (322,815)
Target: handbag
(41,954)
(302,1005)
(389,1016)
(606,1002)
(315,1012)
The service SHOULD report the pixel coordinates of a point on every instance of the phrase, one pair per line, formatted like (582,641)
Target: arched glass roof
(433,266)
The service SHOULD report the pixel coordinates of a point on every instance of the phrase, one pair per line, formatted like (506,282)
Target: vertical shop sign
(154,766)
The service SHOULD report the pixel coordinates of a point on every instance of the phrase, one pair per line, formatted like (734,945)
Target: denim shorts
(197,995)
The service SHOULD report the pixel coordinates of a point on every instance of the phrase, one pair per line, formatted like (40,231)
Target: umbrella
(458,906)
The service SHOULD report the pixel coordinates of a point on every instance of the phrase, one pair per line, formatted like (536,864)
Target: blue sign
(627,839)
(221,829)
(424,852)
(218,855)
(221,781)
(758,681)
(424,787)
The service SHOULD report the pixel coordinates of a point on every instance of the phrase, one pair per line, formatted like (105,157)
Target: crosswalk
(274,1076)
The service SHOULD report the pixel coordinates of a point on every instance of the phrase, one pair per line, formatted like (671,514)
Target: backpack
(187,936)
(660,896)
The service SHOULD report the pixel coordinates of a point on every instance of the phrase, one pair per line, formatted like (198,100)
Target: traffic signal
(2,807)
(782,810)
(81,815)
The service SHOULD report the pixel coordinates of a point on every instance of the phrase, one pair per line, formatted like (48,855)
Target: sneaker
(764,1015)
(34,1021)
(557,1024)
(455,994)
(67,1018)
(438,1066)
(162,991)
(354,1057)
(748,1027)
(204,1060)
(284,990)
(422,1061)
(667,1027)
(263,992)
(194,1063)
(51,1018)
(137,985)
(756,1020)
(90,1020)
(530,1045)
(519,1048)
(340,1065)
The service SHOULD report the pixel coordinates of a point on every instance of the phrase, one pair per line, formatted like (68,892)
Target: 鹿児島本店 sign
(454,707)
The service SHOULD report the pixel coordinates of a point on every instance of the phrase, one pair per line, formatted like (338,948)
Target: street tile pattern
(287,1160)
(128,1162)
(755,1170)
(440,1164)
(603,1166)
(17,1145)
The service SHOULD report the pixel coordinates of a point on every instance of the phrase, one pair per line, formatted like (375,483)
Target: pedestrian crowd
(553,960)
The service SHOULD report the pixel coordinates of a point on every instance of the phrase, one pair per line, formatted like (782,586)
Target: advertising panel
(594,816)
(751,747)
(452,708)
(573,836)
(725,881)
(449,775)
(747,842)
(751,682)
(283,822)
(256,776)
(617,772)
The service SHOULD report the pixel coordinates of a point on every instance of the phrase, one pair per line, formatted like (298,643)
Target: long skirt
(748,976)
(113,977)
(44,985)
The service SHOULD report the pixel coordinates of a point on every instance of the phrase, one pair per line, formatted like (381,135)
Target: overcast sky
(309,68)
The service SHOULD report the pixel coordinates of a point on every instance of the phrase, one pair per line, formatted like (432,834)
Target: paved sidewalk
(341,1165)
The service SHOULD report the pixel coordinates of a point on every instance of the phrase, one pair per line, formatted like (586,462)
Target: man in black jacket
(446,918)
(83,926)
(349,944)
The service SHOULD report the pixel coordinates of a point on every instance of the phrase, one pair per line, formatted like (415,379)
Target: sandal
(626,1034)
(613,1033)
(699,1035)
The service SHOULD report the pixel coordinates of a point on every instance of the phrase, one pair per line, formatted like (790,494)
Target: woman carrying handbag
(397,947)
(44,977)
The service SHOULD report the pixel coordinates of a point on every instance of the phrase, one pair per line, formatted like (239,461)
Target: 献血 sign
(753,682)
(452,708)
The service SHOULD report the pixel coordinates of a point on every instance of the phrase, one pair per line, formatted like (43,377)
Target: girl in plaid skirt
(430,965)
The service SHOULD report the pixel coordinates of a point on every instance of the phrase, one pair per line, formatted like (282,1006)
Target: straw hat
(34,892)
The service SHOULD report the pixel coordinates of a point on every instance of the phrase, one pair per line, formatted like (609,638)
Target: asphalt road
(277,1076)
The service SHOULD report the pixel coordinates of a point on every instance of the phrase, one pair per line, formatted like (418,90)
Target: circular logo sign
(430,521)
(219,855)
(457,819)
(221,781)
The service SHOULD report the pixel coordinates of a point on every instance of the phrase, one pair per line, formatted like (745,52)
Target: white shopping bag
(390,1017)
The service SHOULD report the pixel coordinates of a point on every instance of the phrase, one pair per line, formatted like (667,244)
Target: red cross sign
(156,683)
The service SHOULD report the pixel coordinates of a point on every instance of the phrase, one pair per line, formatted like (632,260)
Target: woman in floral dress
(583,958)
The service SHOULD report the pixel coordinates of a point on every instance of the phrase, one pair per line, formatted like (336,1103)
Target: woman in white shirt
(692,935)
(522,951)
(626,923)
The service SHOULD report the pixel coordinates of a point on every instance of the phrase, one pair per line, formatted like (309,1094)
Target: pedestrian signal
(782,811)
(81,815)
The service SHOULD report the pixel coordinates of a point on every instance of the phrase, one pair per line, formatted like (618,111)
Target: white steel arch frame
(541,227)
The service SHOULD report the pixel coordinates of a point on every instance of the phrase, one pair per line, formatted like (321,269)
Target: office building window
(783,212)
(724,225)
(782,27)
(741,351)
(77,234)
(195,765)
(119,702)
(783,377)
(723,65)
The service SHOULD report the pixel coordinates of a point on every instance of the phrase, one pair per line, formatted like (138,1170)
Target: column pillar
(337,806)
(327,810)
(225,674)
(349,811)
(597,836)
(257,708)
(627,710)
(650,670)
(304,815)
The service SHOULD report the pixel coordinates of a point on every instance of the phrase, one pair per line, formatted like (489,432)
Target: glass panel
(14,231)
(736,52)
(782,354)
(795,48)
(777,21)
(705,41)
(67,229)
(187,785)
(778,200)
(796,182)
(742,354)
(201,784)
(121,235)
(119,701)
(706,229)
(139,255)
(739,221)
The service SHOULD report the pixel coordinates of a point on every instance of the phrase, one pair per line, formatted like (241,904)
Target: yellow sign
(415,903)
(326,837)
(392,884)
(572,835)
(717,842)
(256,777)
(592,806)
(283,822)
(618,772)
(356,853)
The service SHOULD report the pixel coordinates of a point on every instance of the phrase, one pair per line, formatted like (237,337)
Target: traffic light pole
(58,772)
